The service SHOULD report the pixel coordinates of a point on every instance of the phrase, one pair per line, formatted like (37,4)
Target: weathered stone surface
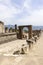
(7,37)
(2,30)
(6,30)
(15,27)
(21,33)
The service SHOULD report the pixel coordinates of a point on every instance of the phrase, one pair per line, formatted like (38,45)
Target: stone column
(6,30)
(30,31)
(15,27)
(20,33)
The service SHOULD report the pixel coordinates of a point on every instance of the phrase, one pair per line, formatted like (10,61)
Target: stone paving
(33,57)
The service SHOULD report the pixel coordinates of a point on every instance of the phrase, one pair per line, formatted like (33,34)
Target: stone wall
(7,37)
(2,30)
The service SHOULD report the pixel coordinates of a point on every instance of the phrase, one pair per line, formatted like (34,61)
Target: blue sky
(21,12)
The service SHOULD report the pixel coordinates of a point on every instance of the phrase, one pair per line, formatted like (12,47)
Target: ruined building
(2,29)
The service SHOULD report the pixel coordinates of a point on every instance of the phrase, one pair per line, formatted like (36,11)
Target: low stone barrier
(7,37)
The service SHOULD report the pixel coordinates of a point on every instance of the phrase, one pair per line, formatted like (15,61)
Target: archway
(21,33)
(25,32)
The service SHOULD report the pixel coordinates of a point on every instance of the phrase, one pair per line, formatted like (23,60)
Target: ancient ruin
(6,30)
(15,27)
(29,29)
(15,47)
(10,30)
(2,29)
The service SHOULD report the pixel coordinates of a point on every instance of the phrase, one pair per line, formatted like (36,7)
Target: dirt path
(34,56)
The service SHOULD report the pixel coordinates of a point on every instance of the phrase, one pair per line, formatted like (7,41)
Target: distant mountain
(33,27)
(37,27)
(10,26)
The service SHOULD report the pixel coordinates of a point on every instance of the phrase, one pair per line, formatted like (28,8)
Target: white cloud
(8,2)
(36,15)
(4,11)
(36,18)
(27,4)
(7,10)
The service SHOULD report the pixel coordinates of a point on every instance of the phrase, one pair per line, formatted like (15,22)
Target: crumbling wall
(7,37)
